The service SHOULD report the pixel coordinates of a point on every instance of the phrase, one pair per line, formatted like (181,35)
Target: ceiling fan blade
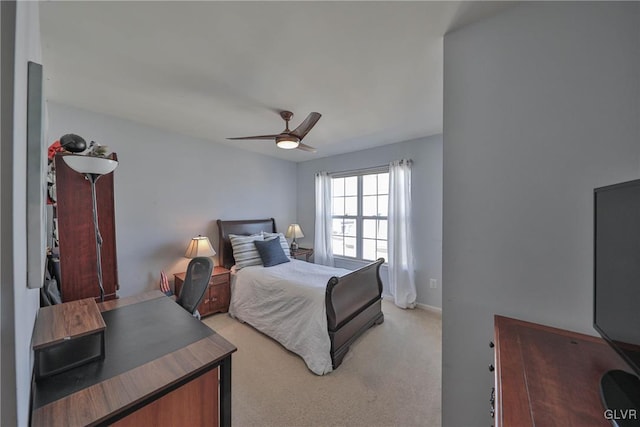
(306,125)
(255,137)
(306,147)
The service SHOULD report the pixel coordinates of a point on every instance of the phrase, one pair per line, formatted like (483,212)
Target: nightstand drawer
(219,297)
(219,279)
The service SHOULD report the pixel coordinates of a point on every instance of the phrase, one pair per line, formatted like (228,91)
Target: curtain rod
(362,171)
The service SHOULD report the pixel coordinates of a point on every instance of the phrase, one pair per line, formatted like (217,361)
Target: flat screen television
(617,293)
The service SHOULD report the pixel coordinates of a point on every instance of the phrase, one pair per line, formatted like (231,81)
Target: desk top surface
(151,344)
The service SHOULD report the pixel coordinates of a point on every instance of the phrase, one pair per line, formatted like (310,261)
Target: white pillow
(283,241)
(244,251)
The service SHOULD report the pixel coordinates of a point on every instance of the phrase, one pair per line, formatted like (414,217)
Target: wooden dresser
(549,377)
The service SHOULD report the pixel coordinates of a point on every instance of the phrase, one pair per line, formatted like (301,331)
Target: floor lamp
(93,168)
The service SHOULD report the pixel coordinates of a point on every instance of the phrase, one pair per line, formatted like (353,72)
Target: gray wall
(170,187)
(19,305)
(541,105)
(426,154)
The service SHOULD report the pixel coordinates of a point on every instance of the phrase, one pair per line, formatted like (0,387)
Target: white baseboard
(431,308)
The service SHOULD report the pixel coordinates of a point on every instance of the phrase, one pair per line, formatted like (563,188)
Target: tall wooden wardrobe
(76,237)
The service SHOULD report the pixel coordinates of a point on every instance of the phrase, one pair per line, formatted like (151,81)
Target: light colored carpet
(390,377)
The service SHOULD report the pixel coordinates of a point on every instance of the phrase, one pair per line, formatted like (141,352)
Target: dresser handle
(491,368)
(214,299)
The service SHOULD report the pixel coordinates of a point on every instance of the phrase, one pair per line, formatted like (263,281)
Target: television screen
(617,268)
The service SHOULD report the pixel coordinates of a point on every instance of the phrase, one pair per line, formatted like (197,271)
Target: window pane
(350,246)
(369,184)
(382,250)
(351,206)
(369,228)
(351,186)
(338,206)
(355,197)
(382,229)
(369,206)
(338,187)
(369,249)
(383,183)
(383,205)
(337,243)
(349,226)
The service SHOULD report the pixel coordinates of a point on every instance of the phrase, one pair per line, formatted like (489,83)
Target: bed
(352,301)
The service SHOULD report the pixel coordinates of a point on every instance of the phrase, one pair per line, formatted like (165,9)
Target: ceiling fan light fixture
(287,142)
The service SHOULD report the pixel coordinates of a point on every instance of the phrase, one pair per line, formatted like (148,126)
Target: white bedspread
(287,302)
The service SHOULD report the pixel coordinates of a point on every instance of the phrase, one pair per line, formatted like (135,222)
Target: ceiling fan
(289,139)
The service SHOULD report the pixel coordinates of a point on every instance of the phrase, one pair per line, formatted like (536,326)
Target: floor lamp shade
(89,164)
(199,246)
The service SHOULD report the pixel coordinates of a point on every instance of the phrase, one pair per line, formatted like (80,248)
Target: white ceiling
(214,70)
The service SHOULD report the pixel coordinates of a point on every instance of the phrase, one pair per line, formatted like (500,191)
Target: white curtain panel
(322,250)
(401,272)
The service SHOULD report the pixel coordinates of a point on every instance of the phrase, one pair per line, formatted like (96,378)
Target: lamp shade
(294,231)
(89,164)
(199,246)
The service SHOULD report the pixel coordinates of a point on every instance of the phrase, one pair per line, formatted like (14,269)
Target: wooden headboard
(241,227)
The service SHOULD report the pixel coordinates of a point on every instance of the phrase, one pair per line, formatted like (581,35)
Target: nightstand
(306,252)
(217,297)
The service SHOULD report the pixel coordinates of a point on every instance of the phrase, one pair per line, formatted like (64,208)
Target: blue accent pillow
(271,252)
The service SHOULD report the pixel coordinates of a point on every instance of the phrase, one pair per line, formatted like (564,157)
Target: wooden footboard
(353,305)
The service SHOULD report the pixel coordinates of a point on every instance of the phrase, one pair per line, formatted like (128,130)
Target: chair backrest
(196,283)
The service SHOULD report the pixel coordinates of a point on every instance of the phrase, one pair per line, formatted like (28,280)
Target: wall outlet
(433,283)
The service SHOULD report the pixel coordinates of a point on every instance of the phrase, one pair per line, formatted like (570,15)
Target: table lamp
(294,231)
(93,168)
(199,246)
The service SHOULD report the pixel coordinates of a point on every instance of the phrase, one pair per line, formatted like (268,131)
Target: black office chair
(195,284)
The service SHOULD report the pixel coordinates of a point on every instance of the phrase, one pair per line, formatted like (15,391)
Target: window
(360,204)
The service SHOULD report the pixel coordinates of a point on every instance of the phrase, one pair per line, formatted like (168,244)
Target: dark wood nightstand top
(217,270)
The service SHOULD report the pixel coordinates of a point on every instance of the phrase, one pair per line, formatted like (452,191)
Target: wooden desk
(153,373)
(549,377)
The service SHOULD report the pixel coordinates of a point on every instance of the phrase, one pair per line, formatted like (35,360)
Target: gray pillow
(244,251)
(271,252)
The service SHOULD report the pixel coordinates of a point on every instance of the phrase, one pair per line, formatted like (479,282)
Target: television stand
(620,392)
(550,377)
